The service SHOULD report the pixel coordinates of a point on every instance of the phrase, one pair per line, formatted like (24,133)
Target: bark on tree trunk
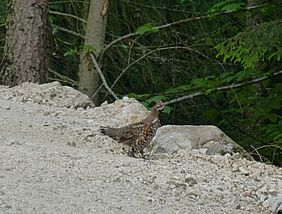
(26,43)
(95,36)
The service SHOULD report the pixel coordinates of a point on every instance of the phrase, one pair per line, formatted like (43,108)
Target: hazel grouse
(138,135)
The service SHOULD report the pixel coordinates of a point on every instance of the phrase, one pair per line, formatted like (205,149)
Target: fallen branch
(93,59)
(225,88)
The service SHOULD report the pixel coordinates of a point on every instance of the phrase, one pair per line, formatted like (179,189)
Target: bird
(137,135)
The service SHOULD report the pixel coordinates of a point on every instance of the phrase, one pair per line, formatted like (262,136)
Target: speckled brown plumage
(138,135)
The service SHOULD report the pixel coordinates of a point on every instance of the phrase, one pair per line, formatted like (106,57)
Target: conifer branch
(177,23)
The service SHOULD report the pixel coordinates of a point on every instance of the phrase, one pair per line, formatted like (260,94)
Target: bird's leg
(131,152)
(142,153)
(144,156)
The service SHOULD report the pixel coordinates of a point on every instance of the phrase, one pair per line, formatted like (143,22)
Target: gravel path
(53,160)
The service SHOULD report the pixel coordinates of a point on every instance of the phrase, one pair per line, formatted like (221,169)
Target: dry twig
(225,88)
(93,59)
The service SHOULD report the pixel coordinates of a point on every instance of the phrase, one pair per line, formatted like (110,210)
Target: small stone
(244,171)
(104,103)
(180,185)
(46,124)
(247,194)
(6,107)
(6,206)
(193,193)
(14,143)
(57,114)
(190,181)
(73,144)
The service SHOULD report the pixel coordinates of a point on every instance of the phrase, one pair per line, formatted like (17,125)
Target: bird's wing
(131,133)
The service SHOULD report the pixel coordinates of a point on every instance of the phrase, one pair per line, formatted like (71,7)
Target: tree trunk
(25,46)
(95,36)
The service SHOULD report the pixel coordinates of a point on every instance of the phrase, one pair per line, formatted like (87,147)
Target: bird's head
(159,106)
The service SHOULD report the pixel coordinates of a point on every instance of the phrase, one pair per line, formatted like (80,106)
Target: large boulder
(209,139)
(121,113)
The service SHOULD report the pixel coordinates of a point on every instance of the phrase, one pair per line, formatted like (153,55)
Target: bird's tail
(103,129)
(112,132)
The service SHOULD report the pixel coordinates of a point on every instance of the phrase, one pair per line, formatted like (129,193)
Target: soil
(54,160)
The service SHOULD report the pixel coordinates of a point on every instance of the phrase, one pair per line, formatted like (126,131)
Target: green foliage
(72,52)
(183,1)
(227,5)
(76,51)
(3,15)
(258,50)
(210,115)
(273,131)
(167,110)
(155,99)
(3,11)
(148,103)
(257,44)
(149,27)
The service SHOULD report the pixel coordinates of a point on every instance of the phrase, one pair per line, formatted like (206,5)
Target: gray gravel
(53,160)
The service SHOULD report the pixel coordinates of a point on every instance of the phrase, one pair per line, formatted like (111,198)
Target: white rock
(172,138)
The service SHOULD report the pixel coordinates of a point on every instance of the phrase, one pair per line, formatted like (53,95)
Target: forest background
(216,62)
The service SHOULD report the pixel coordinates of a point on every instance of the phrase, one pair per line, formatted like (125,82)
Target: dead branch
(93,59)
(69,31)
(67,15)
(225,88)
